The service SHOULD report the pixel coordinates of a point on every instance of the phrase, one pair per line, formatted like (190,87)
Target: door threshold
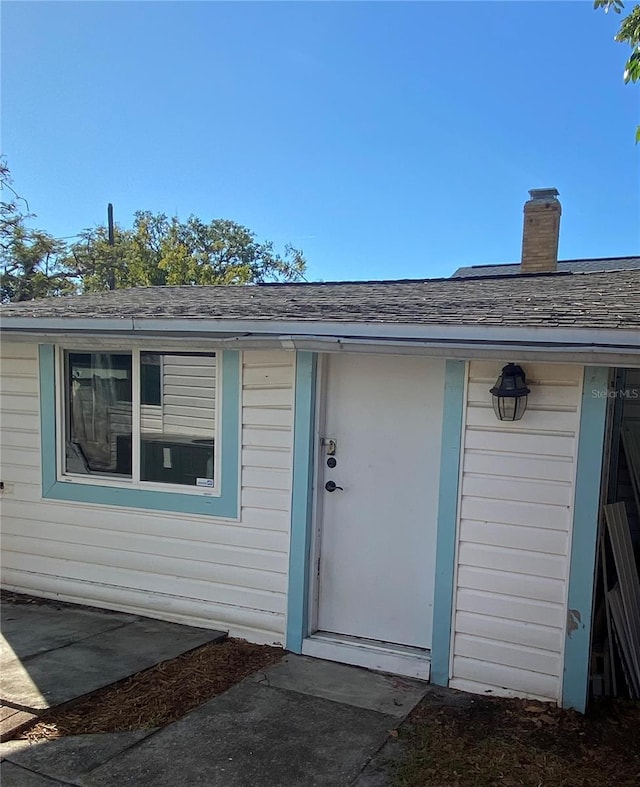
(374,655)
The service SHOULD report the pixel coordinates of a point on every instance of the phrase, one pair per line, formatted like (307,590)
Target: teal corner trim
(447,519)
(224,505)
(585,534)
(301,500)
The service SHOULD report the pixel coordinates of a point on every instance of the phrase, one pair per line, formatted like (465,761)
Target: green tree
(159,250)
(30,260)
(11,215)
(96,265)
(629,33)
(156,250)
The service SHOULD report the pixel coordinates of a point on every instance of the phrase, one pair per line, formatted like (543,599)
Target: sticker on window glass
(204,481)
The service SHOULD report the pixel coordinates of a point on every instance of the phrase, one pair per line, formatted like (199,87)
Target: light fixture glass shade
(510,394)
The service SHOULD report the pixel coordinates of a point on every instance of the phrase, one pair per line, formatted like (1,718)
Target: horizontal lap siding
(513,536)
(267,437)
(204,571)
(189,395)
(150,418)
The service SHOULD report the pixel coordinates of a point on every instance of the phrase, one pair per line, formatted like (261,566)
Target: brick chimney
(541,232)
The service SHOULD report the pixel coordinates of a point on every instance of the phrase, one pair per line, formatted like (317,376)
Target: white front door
(378,533)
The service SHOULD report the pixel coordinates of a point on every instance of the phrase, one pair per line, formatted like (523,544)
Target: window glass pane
(98,398)
(178,418)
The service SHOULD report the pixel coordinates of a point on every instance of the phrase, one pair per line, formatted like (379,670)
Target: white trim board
(552,352)
(373,655)
(234,329)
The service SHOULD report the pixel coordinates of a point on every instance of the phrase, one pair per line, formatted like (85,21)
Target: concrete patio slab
(30,629)
(14,776)
(103,650)
(301,723)
(68,759)
(390,694)
(253,736)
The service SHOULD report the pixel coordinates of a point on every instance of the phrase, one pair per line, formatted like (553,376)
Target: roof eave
(235,330)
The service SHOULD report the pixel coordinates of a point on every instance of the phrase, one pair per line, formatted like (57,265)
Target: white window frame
(122,482)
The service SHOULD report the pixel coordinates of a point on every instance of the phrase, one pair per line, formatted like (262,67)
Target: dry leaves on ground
(482,742)
(159,695)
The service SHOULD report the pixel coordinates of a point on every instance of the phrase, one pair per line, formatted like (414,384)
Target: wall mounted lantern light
(510,394)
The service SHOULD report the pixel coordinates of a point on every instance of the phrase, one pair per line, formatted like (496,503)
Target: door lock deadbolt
(331,462)
(330,445)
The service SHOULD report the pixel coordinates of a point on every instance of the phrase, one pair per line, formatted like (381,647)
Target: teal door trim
(586,511)
(223,505)
(301,500)
(454,386)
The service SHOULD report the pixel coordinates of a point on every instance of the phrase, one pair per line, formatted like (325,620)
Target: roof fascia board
(45,324)
(109,339)
(586,356)
(235,329)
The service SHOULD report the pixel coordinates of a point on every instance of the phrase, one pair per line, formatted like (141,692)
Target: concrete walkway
(301,722)
(51,652)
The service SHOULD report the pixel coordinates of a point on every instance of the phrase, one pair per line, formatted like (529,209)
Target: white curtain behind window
(94,391)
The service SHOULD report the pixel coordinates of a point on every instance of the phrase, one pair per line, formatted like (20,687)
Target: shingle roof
(564,266)
(585,300)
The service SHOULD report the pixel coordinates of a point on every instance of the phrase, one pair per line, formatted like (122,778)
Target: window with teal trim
(142,428)
(160,431)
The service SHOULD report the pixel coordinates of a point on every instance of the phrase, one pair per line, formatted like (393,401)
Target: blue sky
(387,140)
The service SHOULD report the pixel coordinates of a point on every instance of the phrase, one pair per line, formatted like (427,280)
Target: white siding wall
(202,570)
(515,518)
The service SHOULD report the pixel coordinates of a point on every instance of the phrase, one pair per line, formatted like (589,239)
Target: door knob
(331,486)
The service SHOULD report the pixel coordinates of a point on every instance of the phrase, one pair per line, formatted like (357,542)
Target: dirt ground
(450,739)
(159,695)
(477,742)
